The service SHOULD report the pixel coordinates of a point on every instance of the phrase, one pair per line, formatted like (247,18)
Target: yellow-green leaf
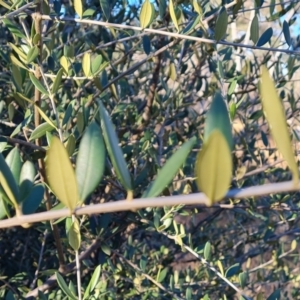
(57,81)
(214,167)
(78,8)
(60,174)
(38,84)
(86,64)
(44,116)
(8,182)
(70,145)
(173,14)
(197,8)
(2,3)
(274,112)
(18,51)
(146,15)
(173,73)
(74,236)
(65,64)
(16,62)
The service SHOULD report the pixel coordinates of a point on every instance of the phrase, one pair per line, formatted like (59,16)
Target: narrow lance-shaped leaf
(44,116)
(62,284)
(33,199)
(105,6)
(146,15)
(26,178)
(173,14)
(274,112)
(86,64)
(8,182)
(74,236)
(57,81)
(197,7)
(169,170)
(32,54)
(41,131)
(265,37)
(78,8)
(93,282)
(38,84)
(114,150)
(214,167)
(286,32)
(13,160)
(60,174)
(218,118)
(90,161)
(162,8)
(254,30)
(221,25)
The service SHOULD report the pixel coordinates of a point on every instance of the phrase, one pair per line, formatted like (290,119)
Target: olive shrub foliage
(102,101)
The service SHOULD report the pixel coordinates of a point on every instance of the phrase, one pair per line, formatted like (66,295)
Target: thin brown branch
(37,19)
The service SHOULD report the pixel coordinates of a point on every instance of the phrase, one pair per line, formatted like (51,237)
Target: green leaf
(45,117)
(233,270)
(16,62)
(57,81)
(218,118)
(146,15)
(8,183)
(207,251)
(105,8)
(62,284)
(214,167)
(286,33)
(265,37)
(146,44)
(11,111)
(114,150)
(33,199)
(90,161)
(221,24)
(74,236)
(86,64)
(254,30)
(13,28)
(13,160)
(60,174)
(26,178)
(38,84)
(169,170)
(5,5)
(17,76)
(197,7)
(4,209)
(93,282)
(71,145)
(96,65)
(243,279)
(78,8)
(162,274)
(41,131)
(275,115)
(21,54)
(173,14)
(32,54)
(162,8)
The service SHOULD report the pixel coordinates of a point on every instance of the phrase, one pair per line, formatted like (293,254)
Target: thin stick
(123,205)
(170,34)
